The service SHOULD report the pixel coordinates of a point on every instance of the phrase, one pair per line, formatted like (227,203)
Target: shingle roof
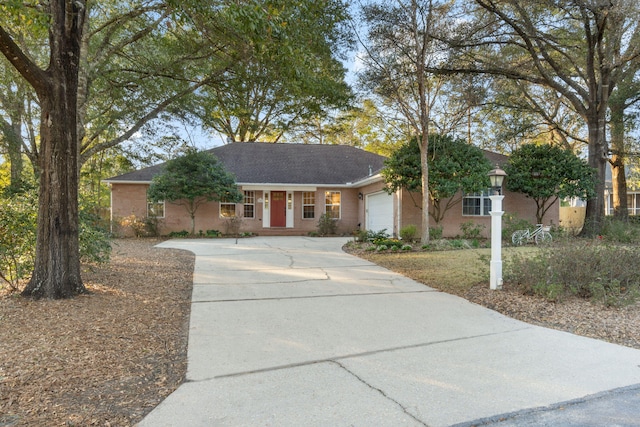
(496,158)
(263,163)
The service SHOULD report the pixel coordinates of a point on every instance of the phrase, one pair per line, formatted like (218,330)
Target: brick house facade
(287,187)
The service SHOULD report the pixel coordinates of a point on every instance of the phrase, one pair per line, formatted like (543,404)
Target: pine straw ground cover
(465,273)
(103,359)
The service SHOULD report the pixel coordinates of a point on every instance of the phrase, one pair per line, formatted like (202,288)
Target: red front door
(278,208)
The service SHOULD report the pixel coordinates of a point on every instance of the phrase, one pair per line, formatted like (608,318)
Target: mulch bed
(103,359)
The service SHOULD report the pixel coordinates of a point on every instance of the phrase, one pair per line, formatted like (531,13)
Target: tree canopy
(288,74)
(193,179)
(455,167)
(99,73)
(577,49)
(546,173)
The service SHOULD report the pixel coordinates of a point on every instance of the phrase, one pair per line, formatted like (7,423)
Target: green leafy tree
(519,112)
(546,173)
(101,72)
(455,167)
(366,127)
(577,49)
(399,51)
(289,74)
(193,179)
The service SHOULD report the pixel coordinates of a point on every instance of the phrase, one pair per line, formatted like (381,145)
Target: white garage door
(379,212)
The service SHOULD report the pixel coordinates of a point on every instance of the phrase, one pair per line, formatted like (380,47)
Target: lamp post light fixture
(496,176)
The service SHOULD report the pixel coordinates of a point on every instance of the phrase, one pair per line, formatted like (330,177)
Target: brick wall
(131,199)
(514,203)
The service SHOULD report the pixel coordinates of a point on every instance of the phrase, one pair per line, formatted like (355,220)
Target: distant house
(287,187)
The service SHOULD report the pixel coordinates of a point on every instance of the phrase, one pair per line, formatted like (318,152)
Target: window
(633,203)
(476,204)
(227,210)
(332,204)
(155,209)
(249,204)
(308,205)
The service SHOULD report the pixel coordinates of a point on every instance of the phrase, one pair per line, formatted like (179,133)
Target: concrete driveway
(291,331)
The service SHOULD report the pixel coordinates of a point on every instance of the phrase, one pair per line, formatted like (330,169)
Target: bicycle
(540,235)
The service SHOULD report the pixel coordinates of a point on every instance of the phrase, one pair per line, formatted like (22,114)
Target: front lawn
(451,271)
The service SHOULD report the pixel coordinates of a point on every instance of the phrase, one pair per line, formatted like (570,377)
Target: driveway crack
(385,395)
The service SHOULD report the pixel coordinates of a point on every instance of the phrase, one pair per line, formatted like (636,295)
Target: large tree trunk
(619,188)
(57,265)
(618,175)
(598,160)
(424,161)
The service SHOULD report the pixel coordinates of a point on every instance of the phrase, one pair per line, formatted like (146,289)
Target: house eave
(118,181)
(365,181)
(274,185)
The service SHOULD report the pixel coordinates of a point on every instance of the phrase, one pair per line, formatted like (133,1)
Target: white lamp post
(496,176)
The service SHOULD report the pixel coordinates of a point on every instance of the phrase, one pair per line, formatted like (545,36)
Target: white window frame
(328,207)
(309,202)
(249,201)
(485,203)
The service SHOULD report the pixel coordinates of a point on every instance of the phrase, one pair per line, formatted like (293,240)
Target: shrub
(372,236)
(152,226)
(471,230)
(458,244)
(600,272)
(17,238)
(408,233)
(135,224)
(94,241)
(178,234)
(620,231)
(388,242)
(327,225)
(435,232)
(360,235)
(232,226)
(213,233)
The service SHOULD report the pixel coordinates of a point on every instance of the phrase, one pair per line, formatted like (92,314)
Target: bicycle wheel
(519,237)
(543,238)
